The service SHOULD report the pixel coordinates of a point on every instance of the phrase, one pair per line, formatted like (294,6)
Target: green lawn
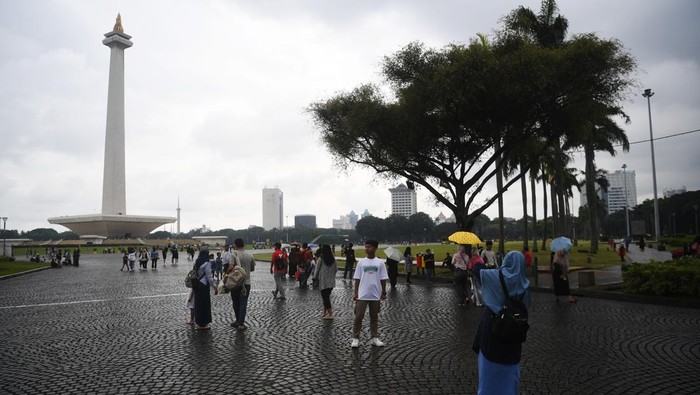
(579,255)
(18,267)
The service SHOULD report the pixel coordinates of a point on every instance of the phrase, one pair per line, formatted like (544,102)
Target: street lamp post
(4,236)
(648,94)
(627,214)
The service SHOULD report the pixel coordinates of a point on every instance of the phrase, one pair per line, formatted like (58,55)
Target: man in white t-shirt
(370,287)
(489,256)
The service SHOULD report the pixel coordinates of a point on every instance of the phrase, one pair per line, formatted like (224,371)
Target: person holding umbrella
(559,266)
(393,256)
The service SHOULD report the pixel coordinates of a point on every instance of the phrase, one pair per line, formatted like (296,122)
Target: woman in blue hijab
(499,363)
(202,299)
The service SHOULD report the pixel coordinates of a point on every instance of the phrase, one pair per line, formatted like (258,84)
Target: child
(190,305)
(219,266)
(125,262)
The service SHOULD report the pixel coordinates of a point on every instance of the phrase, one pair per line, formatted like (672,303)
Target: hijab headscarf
(513,269)
(202,258)
(562,258)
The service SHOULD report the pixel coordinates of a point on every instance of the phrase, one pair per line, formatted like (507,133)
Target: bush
(674,278)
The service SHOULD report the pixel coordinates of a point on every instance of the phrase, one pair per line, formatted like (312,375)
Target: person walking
(499,363)
(461,276)
(239,296)
(154,258)
(420,271)
(429,259)
(350,260)
(226,257)
(560,275)
(305,266)
(325,272)
(143,258)
(132,258)
(392,268)
(278,268)
(202,298)
(175,255)
(408,264)
(474,267)
(165,255)
(370,287)
(76,257)
(125,261)
(489,256)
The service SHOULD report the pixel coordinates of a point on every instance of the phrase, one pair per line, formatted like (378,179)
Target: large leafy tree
(451,114)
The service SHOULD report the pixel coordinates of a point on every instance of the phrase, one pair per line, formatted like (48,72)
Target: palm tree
(602,134)
(548,31)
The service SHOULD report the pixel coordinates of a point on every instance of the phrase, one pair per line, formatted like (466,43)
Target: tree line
(498,110)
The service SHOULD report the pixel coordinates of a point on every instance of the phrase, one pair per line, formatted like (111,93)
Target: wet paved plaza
(94,329)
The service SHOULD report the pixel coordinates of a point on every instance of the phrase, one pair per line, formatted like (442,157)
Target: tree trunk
(523,184)
(501,221)
(545,202)
(534,214)
(563,226)
(555,212)
(592,197)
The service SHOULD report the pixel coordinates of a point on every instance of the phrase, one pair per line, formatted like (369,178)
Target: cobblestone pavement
(94,329)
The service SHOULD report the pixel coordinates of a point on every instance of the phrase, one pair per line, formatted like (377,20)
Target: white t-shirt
(370,272)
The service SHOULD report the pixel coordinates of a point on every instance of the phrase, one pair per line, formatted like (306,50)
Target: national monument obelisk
(113,222)
(114,181)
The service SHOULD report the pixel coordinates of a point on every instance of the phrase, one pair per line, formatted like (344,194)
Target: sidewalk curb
(9,276)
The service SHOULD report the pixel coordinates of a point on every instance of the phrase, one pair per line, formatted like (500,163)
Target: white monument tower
(114,181)
(113,221)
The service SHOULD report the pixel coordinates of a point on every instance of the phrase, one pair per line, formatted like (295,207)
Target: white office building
(273,208)
(616,191)
(403,200)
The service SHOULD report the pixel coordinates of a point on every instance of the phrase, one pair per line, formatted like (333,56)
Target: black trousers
(326,295)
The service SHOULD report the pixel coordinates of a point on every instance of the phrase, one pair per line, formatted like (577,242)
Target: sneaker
(376,342)
(235,324)
(242,328)
(355,343)
(274,293)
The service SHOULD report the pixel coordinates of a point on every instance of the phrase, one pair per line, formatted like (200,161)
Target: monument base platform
(112,226)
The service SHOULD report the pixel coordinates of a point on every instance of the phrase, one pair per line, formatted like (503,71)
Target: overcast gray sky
(216,93)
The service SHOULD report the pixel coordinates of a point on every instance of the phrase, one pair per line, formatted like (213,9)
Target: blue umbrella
(561,243)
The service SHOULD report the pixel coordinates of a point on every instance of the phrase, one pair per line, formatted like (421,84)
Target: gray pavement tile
(96,329)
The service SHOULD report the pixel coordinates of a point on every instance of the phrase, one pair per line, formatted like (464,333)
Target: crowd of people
(56,257)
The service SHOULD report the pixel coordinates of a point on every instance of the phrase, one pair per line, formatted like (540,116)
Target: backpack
(190,278)
(280,263)
(235,279)
(510,324)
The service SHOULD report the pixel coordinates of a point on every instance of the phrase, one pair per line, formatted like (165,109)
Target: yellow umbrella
(464,238)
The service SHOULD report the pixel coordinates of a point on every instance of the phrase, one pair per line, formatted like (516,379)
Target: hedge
(675,278)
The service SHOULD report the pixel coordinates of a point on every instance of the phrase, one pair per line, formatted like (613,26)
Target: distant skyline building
(614,198)
(342,223)
(616,190)
(352,217)
(365,214)
(403,200)
(273,208)
(305,221)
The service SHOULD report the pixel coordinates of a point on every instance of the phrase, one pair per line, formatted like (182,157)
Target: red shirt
(277,255)
(528,258)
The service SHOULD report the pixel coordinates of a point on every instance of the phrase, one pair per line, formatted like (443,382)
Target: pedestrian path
(94,329)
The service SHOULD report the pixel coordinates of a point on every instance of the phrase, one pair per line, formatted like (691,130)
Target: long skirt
(202,305)
(495,378)
(561,281)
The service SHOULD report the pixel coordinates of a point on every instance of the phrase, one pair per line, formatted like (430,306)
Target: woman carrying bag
(326,269)
(202,299)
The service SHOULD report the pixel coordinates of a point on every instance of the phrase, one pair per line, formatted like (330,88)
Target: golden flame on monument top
(118,25)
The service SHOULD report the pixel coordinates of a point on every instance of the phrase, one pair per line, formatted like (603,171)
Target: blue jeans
(430,273)
(303,278)
(240,304)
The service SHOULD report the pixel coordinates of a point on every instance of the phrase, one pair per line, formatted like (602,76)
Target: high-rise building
(616,191)
(305,221)
(403,200)
(273,208)
(674,191)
